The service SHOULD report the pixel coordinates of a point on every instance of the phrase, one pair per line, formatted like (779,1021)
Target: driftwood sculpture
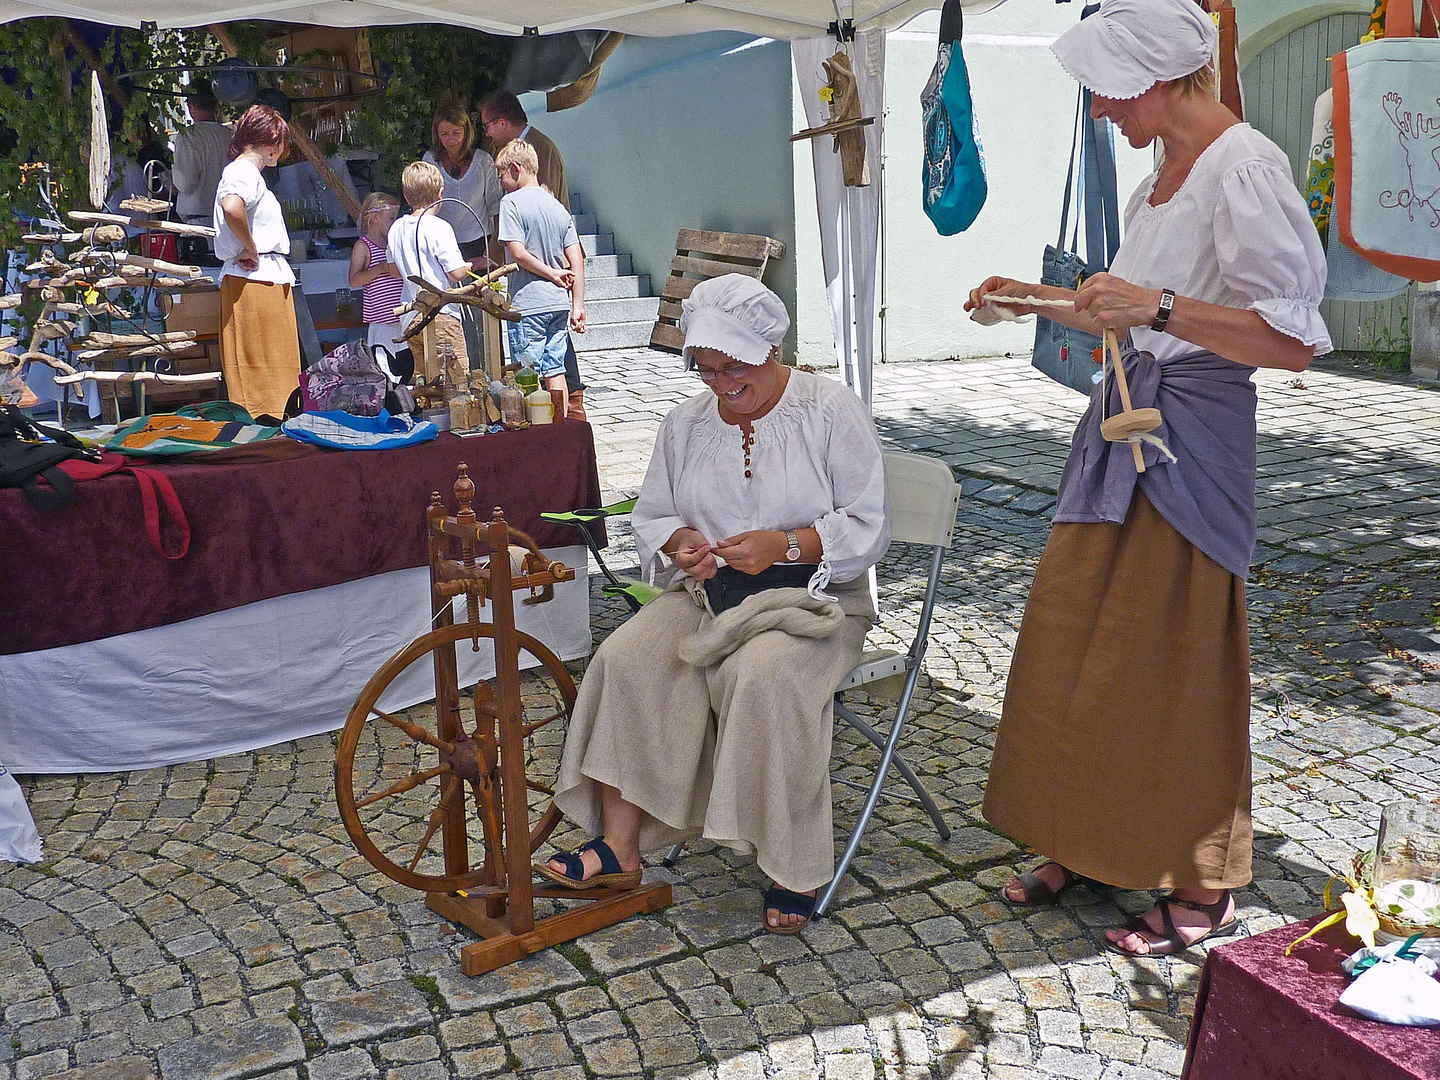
(396,797)
(73,286)
(478,293)
(846,123)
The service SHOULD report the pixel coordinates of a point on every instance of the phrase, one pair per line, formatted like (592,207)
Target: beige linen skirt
(259,345)
(1124,751)
(737,752)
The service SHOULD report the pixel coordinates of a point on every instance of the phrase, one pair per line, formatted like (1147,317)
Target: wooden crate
(700,255)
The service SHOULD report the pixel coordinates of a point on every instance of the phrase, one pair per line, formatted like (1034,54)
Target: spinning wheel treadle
(401,781)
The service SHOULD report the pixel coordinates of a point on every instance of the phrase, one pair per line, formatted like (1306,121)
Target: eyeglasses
(486,123)
(733,371)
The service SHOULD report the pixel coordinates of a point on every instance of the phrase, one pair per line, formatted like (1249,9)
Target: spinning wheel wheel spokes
(400,780)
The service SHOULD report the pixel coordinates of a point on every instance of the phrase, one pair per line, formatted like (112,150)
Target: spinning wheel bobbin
(378,784)
(1130,421)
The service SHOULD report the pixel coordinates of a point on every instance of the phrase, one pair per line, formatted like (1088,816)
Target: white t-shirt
(1236,234)
(815,461)
(267,225)
(423,247)
(479,189)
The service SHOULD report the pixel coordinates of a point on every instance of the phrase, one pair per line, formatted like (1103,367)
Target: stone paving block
(224,1054)
(344,1065)
(370,1014)
(543,973)
(630,944)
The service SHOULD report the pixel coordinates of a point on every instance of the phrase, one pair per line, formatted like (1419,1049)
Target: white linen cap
(736,315)
(1129,45)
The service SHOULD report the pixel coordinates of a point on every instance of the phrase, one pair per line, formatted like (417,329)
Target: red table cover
(1261,1015)
(262,529)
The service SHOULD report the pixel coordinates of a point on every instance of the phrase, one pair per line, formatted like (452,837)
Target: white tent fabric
(784,19)
(849,217)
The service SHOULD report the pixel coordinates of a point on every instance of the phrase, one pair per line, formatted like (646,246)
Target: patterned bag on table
(1387,144)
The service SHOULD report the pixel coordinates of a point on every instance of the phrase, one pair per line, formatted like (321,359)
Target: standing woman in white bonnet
(765,497)
(1123,753)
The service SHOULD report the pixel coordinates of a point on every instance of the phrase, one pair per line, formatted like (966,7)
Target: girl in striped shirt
(372,272)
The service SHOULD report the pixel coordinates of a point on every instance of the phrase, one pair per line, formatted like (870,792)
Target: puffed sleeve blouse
(815,461)
(1236,234)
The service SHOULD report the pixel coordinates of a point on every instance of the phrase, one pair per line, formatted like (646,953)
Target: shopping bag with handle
(1387,144)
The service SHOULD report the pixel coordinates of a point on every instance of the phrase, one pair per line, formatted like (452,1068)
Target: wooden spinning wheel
(439,772)
(401,781)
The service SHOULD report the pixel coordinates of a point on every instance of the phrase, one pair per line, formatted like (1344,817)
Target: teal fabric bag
(953,174)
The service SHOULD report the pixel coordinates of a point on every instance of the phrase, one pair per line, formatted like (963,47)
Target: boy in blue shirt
(548,289)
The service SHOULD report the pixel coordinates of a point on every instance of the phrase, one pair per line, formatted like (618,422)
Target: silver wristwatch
(792,554)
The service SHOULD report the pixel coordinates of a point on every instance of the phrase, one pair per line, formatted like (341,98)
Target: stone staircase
(619,312)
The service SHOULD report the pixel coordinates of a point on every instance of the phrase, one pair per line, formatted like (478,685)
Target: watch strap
(1162,316)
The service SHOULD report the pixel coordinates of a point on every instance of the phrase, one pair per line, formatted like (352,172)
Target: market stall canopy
(784,19)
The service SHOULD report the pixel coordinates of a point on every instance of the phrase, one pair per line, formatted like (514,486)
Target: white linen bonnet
(1129,45)
(736,315)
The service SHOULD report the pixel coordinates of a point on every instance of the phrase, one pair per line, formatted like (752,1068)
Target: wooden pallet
(699,255)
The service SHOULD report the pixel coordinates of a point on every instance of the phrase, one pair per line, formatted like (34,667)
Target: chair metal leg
(886,758)
(669,861)
(922,794)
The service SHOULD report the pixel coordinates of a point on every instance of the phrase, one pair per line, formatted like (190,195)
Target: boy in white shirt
(420,244)
(549,287)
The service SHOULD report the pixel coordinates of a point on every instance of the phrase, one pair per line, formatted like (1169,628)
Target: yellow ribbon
(1357,909)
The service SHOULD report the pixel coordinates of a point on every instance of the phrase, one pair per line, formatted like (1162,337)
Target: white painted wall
(1026,106)
(685,132)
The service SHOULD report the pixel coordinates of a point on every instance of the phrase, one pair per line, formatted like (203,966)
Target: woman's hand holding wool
(692,553)
(751,552)
(1115,303)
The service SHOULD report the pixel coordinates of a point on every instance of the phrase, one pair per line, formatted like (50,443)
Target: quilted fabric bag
(1387,144)
(953,172)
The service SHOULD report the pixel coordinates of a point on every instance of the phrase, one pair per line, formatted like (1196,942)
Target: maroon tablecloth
(266,529)
(1262,1015)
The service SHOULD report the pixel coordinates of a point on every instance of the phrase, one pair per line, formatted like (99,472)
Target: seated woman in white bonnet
(765,498)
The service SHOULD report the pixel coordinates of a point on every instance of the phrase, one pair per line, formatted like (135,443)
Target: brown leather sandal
(1037,890)
(1170,941)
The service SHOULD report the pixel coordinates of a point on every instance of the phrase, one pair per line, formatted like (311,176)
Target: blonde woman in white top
(776,474)
(470,177)
(259,343)
(1123,751)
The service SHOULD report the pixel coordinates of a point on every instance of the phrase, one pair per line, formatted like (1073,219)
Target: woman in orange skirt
(1123,751)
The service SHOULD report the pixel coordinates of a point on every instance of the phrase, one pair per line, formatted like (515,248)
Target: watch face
(793,554)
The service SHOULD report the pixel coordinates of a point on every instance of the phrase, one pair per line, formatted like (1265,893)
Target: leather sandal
(787,902)
(1036,890)
(611,876)
(1170,941)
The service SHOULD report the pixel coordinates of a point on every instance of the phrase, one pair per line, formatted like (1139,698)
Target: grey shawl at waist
(1208,494)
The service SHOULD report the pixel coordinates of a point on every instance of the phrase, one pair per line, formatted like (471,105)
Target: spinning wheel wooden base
(402,780)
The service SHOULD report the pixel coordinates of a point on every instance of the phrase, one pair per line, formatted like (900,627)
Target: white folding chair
(924,499)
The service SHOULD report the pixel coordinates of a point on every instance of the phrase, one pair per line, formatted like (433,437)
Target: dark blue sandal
(787,903)
(611,876)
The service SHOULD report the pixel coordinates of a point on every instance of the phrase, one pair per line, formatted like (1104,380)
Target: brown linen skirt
(1124,744)
(737,752)
(259,345)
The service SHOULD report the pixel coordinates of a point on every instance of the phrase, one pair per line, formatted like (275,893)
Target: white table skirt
(250,677)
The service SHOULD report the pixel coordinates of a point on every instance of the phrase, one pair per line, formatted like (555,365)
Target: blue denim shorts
(540,341)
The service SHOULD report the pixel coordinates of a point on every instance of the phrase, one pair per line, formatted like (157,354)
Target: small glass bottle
(512,404)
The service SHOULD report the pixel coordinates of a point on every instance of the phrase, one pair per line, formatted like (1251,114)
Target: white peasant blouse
(815,462)
(1236,234)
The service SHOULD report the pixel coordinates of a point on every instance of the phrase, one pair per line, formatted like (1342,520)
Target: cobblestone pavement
(212,920)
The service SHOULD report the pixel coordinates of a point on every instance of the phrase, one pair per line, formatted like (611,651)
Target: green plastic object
(527,379)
